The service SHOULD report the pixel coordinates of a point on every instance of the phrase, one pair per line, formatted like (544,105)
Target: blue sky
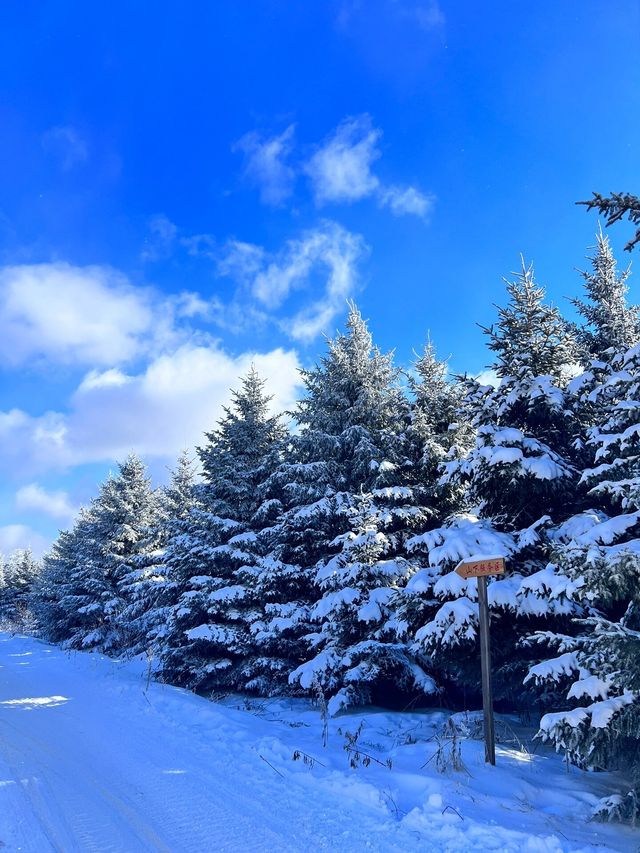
(187,188)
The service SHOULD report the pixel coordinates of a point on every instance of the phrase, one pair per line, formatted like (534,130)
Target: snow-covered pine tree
(87,575)
(150,588)
(18,577)
(125,520)
(610,325)
(305,505)
(358,657)
(518,477)
(177,497)
(439,431)
(213,561)
(72,587)
(347,522)
(599,551)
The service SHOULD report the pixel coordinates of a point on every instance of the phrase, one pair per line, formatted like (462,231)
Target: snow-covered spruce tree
(439,432)
(213,560)
(150,589)
(599,550)
(348,514)
(87,575)
(71,586)
(519,478)
(18,577)
(125,520)
(610,325)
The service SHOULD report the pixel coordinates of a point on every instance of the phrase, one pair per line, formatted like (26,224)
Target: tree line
(319,560)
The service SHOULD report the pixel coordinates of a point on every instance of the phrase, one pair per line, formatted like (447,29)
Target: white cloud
(429,16)
(29,444)
(66,145)
(238,316)
(87,316)
(340,171)
(19,536)
(341,168)
(189,305)
(204,245)
(103,379)
(54,503)
(266,166)
(328,253)
(170,404)
(162,236)
(488,377)
(156,413)
(241,261)
(69,314)
(406,200)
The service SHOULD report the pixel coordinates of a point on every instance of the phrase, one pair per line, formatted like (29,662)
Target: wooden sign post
(481,568)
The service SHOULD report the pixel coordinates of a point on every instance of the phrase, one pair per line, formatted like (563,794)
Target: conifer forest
(311,553)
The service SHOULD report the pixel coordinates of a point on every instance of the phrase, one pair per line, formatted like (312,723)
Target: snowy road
(89,761)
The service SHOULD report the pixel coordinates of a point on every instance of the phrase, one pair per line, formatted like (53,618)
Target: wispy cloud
(328,254)
(341,171)
(403,201)
(71,314)
(189,305)
(86,316)
(266,164)
(156,412)
(241,261)
(67,145)
(427,15)
(201,245)
(19,536)
(53,503)
(160,240)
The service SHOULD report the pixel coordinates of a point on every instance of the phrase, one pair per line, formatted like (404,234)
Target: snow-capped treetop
(178,495)
(530,339)
(354,395)
(611,324)
(20,568)
(615,474)
(434,394)
(126,511)
(440,428)
(240,451)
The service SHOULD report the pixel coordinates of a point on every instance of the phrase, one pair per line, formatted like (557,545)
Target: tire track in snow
(101,810)
(67,811)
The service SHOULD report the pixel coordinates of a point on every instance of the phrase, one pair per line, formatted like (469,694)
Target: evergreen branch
(616,207)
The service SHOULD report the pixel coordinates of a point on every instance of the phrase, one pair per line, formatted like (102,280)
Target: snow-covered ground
(90,760)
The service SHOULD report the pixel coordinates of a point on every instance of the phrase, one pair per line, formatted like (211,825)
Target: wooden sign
(480,568)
